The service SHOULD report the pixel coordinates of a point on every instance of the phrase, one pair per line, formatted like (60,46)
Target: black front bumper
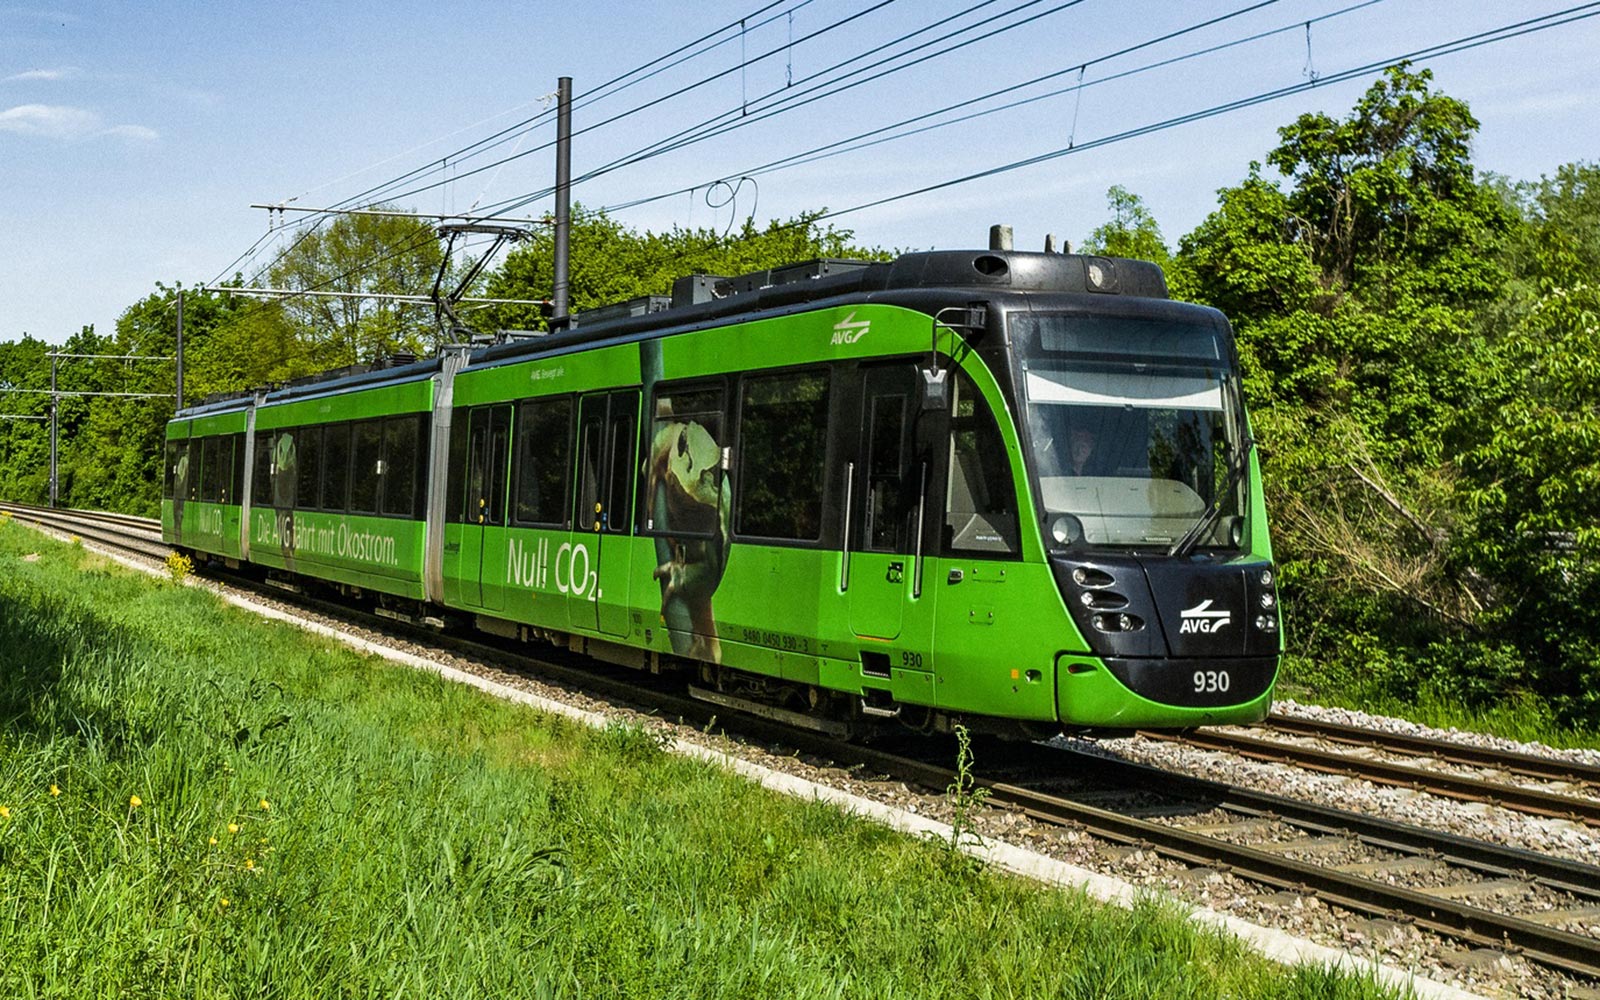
(1196,683)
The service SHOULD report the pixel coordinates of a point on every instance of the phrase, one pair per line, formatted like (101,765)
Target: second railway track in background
(1421,771)
(1482,894)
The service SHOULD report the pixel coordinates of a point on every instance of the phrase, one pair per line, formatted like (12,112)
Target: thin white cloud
(54,121)
(61,73)
(1548,103)
(137,132)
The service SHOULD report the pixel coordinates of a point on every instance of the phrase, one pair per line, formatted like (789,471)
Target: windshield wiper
(1186,544)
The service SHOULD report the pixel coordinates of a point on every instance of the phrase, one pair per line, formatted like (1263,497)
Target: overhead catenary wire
(1517,29)
(1472,41)
(613,86)
(834,148)
(731,119)
(609,88)
(410,192)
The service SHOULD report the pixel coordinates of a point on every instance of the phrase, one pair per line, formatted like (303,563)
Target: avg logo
(1202,619)
(848,331)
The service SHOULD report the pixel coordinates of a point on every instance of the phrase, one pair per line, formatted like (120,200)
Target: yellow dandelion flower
(135,802)
(5,812)
(249,864)
(213,842)
(233,827)
(266,805)
(55,790)
(224,902)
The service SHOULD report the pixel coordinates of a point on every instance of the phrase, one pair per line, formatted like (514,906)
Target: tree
(1356,284)
(1357,288)
(1131,231)
(381,254)
(1533,470)
(613,263)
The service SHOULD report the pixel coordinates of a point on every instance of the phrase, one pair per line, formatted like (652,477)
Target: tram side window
(308,444)
(285,469)
(683,474)
(261,473)
(190,483)
(170,471)
(499,459)
(366,466)
(336,467)
(456,476)
(889,490)
(623,420)
(218,469)
(544,461)
(783,435)
(236,487)
(980,504)
(402,438)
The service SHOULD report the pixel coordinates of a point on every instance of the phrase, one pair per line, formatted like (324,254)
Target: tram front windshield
(1134,429)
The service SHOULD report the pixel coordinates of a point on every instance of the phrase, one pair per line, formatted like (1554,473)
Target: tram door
(597,570)
(483,531)
(885,494)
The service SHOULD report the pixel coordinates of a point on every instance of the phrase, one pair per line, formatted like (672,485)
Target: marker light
(1066,530)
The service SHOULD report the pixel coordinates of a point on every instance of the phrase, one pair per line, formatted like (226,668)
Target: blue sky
(134,136)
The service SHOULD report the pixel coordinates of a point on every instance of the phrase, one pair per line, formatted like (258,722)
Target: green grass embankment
(198,803)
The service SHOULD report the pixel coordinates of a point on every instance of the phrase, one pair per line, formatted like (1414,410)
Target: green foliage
(966,801)
(372,254)
(613,263)
(1419,347)
(1131,231)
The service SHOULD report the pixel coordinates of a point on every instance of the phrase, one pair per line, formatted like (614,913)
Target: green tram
(1014,489)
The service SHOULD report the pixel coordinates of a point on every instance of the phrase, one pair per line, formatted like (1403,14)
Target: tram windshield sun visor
(1136,436)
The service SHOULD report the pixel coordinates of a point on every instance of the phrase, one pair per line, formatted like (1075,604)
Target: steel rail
(1513,762)
(110,530)
(150,524)
(1572,953)
(1534,801)
(1564,874)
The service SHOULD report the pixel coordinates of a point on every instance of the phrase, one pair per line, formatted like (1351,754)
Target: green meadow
(198,803)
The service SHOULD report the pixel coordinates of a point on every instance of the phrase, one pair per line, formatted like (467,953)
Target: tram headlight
(1066,529)
(1266,578)
(1267,600)
(1267,623)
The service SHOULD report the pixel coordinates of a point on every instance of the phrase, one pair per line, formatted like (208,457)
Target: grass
(200,803)
(1523,717)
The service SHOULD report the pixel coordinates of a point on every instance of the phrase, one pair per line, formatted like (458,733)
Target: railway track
(1544,908)
(139,536)
(1567,789)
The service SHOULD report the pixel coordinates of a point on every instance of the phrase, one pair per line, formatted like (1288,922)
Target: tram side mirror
(936,388)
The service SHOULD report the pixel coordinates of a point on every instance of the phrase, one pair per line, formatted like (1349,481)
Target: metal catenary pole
(56,394)
(179,405)
(558,317)
(54,400)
